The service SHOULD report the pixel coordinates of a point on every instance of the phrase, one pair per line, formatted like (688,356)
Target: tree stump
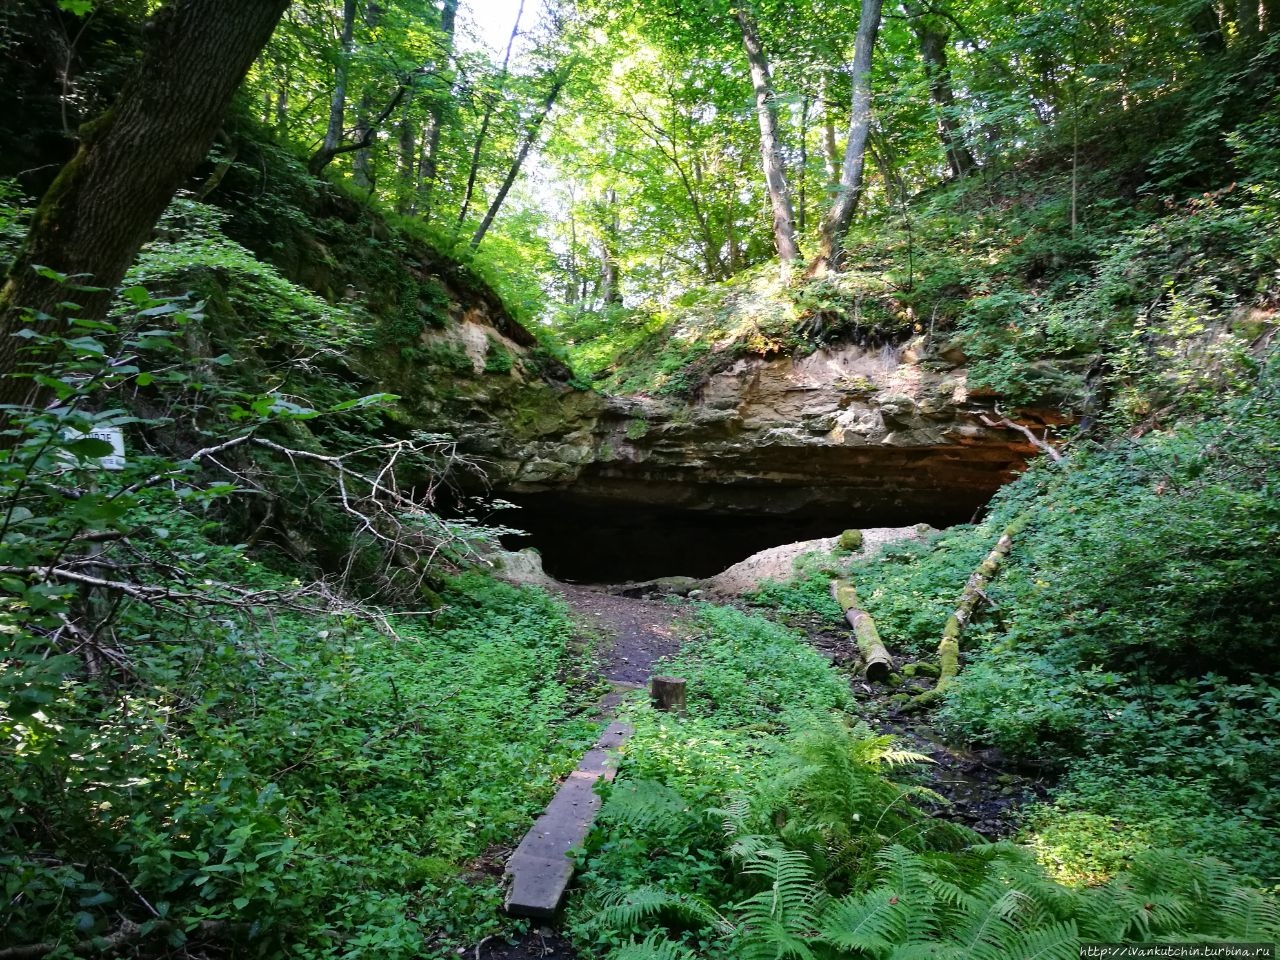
(667,693)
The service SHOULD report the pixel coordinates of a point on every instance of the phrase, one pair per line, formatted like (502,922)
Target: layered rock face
(886,435)
(771,450)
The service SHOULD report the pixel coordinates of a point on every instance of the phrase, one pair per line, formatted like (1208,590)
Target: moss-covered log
(974,590)
(874,655)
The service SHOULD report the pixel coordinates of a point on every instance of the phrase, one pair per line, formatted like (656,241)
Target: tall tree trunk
(407,169)
(784,218)
(836,223)
(531,137)
(802,177)
(1207,29)
(337,126)
(1270,16)
(282,104)
(490,104)
(932,34)
(830,152)
(365,130)
(610,280)
(362,165)
(1247,19)
(106,200)
(428,171)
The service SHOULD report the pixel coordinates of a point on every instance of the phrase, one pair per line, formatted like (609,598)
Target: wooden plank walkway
(540,869)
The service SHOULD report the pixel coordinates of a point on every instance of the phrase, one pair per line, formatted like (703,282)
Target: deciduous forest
(638,480)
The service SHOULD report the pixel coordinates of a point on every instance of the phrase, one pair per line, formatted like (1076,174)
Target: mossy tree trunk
(974,591)
(106,200)
(876,658)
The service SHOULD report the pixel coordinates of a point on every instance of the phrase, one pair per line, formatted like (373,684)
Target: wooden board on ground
(540,869)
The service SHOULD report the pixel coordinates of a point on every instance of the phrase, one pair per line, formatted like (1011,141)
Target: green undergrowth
(1128,644)
(1128,285)
(767,822)
(333,789)
(212,745)
(671,350)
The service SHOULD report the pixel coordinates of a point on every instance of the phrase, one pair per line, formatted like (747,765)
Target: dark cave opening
(585,539)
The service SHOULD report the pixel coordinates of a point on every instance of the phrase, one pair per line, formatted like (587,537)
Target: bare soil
(635,632)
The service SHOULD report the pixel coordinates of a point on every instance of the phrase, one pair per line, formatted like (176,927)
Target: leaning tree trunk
(974,591)
(106,200)
(333,133)
(876,658)
(531,137)
(491,103)
(836,223)
(784,218)
(933,52)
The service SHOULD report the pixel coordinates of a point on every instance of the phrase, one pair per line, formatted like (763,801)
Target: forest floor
(980,788)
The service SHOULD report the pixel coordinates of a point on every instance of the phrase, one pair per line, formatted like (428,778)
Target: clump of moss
(851,541)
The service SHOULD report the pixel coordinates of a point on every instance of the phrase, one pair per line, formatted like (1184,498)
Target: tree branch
(1035,441)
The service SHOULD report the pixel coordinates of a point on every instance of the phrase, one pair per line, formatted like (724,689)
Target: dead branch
(1007,424)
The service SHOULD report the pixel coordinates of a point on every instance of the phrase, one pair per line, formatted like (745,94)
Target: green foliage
(821,855)
(498,359)
(198,739)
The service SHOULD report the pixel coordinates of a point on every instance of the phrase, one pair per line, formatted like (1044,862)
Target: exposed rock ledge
(880,436)
(886,436)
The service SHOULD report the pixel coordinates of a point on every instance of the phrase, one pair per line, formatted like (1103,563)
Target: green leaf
(372,399)
(89,448)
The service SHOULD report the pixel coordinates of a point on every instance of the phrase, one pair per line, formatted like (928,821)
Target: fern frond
(772,940)
(750,846)
(1250,916)
(626,909)
(986,926)
(791,886)
(928,950)
(872,922)
(648,807)
(734,816)
(898,758)
(1057,941)
(653,947)
(776,922)
(902,869)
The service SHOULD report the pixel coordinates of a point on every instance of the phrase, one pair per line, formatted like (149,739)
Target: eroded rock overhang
(874,437)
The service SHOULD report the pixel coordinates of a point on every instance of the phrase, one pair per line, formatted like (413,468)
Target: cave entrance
(586,539)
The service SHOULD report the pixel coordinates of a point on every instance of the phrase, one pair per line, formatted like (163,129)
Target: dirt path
(635,633)
(983,790)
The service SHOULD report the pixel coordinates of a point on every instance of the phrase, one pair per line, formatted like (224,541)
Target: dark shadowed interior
(604,540)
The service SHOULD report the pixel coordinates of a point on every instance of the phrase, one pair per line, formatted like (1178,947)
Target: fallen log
(974,590)
(874,655)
